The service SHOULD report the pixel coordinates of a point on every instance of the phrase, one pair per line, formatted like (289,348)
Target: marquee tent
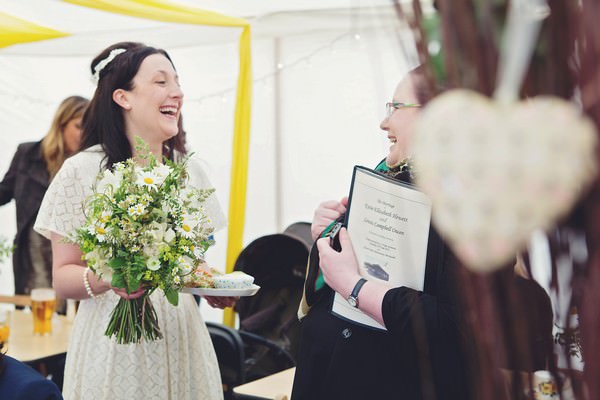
(321,73)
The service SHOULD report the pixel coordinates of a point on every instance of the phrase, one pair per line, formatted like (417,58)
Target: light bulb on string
(279,66)
(434,47)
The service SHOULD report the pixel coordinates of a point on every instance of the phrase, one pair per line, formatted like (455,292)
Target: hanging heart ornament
(497,172)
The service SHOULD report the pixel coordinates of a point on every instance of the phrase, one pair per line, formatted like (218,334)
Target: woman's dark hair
(424,89)
(103,121)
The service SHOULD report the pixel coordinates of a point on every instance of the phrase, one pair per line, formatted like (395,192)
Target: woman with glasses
(418,356)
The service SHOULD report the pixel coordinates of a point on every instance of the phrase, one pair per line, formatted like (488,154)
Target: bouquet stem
(132,321)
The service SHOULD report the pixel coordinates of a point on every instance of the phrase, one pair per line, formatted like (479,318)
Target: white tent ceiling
(92,29)
(322,71)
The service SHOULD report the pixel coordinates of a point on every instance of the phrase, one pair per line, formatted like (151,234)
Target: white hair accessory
(103,63)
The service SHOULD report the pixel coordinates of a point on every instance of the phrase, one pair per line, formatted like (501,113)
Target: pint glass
(43,303)
(4,326)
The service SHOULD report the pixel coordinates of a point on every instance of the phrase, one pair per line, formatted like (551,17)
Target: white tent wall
(318,98)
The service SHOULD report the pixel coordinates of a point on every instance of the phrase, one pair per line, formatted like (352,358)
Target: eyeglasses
(393,106)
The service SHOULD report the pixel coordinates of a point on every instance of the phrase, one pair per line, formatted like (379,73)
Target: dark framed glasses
(393,106)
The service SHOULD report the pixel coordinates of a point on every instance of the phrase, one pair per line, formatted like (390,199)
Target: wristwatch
(353,298)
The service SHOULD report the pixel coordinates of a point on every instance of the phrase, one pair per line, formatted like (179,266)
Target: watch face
(352,301)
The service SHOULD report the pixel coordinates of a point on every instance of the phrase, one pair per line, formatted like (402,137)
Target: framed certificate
(388,222)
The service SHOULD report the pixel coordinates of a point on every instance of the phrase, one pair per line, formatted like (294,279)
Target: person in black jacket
(419,356)
(33,166)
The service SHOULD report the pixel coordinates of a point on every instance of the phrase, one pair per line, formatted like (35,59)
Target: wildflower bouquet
(144,228)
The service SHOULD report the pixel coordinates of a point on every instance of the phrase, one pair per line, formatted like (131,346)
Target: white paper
(388,223)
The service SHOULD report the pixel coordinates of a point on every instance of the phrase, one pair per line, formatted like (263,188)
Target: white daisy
(99,230)
(148,179)
(136,210)
(186,231)
(185,263)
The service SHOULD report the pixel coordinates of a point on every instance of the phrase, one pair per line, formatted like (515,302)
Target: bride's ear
(120,97)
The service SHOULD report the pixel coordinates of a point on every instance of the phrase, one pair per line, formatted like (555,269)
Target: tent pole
(278,139)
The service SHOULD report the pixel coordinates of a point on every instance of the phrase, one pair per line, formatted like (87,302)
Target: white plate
(222,292)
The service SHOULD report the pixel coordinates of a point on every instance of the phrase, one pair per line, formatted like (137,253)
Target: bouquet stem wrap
(134,320)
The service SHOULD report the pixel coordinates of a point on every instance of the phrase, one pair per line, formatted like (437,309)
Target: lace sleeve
(62,208)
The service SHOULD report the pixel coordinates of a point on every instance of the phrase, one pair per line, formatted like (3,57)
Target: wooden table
(277,386)
(27,347)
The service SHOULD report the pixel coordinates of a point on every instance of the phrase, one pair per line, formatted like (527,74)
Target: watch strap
(356,290)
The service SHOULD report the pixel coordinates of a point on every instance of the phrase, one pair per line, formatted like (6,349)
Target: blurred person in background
(32,168)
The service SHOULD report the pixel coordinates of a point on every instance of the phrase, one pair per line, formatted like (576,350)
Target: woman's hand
(221,302)
(325,214)
(340,270)
(133,295)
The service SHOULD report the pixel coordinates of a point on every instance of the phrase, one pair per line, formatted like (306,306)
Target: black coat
(419,357)
(26,181)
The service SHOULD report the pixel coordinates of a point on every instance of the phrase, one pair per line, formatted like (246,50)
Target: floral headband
(104,62)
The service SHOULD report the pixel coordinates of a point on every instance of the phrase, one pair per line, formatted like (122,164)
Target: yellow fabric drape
(171,12)
(15,30)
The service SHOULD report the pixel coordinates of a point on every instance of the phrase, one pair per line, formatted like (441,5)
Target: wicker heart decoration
(497,172)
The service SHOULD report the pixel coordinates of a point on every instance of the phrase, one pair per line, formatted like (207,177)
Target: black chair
(264,357)
(237,366)
(230,354)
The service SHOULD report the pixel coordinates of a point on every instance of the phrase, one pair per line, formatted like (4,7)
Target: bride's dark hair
(103,122)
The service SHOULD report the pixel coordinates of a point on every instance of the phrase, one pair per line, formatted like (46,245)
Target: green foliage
(6,249)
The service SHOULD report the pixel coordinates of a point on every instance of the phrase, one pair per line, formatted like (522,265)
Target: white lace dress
(181,366)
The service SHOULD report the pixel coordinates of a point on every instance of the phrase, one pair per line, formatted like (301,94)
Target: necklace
(403,171)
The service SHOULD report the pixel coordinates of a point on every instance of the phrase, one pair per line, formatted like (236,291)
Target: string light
(281,66)
(434,47)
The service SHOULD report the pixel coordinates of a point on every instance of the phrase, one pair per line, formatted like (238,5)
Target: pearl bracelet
(86,283)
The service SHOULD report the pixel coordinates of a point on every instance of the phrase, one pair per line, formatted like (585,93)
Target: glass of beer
(4,327)
(43,303)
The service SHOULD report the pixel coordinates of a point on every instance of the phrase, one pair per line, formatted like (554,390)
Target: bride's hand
(221,302)
(133,295)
